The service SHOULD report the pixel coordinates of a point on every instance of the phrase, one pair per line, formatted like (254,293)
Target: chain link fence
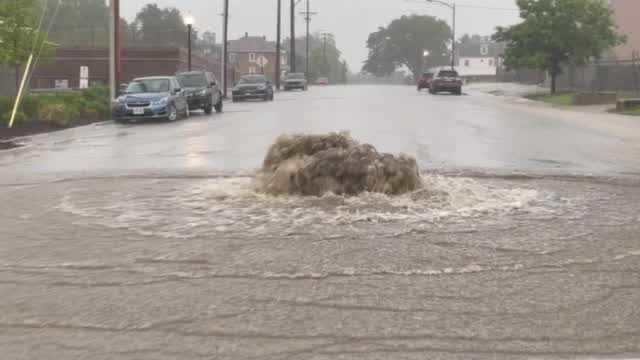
(620,76)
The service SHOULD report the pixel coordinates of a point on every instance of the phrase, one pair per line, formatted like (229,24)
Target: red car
(322,81)
(425,81)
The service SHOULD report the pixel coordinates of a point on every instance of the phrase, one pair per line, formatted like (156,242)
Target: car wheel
(208,109)
(218,106)
(172,113)
(459,92)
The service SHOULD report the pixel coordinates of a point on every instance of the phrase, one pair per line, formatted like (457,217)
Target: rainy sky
(350,21)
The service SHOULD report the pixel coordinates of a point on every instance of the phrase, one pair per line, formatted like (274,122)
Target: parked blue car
(157,97)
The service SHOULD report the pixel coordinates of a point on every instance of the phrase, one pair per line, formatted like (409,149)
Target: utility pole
(116,34)
(278,40)
(293,36)
(325,38)
(225,49)
(114,48)
(307,17)
(112,52)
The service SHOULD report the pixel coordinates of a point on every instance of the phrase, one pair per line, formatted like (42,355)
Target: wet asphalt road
(147,241)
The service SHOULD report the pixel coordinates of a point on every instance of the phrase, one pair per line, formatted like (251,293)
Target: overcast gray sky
(350,21)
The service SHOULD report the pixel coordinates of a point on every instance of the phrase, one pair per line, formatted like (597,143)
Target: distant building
(479,57)
(255,55)
(626,13)
(63,69)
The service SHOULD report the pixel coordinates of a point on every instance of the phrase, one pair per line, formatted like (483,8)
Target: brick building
(63,70)
(246,52)
(626,13)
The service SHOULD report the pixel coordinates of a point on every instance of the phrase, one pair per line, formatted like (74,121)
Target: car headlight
(161,102)
(202,92)
(262,87)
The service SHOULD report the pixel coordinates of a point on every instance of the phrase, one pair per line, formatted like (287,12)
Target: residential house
(479,58)
(255,55)
(626,14)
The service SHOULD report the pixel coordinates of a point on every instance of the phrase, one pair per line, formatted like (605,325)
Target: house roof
(480,49)
(248,44)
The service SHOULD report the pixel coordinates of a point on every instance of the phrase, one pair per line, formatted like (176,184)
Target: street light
(189,20)
(451,6)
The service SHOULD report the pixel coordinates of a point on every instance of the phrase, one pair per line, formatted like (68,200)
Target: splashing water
(232,205)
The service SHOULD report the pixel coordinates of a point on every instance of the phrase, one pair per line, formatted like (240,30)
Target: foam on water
(225,205)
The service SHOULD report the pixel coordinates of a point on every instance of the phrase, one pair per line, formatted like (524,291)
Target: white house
(479,58)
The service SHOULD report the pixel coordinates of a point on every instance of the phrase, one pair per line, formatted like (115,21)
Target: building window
(252,70)
(466,63)
(252,57)
(484,49)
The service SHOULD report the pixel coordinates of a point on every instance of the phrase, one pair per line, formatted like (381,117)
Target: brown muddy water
(190,267)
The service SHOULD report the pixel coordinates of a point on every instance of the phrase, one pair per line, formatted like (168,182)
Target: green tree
(80,23)
(410,41)
(19,33)
(554,33)
(162,27)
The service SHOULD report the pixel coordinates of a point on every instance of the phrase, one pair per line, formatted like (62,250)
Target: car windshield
(148,86)
(252,80)
(448,73)
(296,76)
(192,80)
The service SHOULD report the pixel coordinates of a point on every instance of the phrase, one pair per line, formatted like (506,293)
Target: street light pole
(453,41)
(278,40)
(189,20)
(451,6)
(189,45)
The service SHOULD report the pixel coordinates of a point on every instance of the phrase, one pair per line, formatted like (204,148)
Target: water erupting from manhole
(314,165)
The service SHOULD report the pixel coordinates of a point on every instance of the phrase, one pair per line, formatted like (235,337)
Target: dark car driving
(158,97)
(446,80)
(253,87)
(295,81)
(202,90)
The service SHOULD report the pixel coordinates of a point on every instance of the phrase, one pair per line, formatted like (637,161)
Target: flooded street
(149,241)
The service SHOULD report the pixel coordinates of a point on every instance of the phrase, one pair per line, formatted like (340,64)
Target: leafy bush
(60,109)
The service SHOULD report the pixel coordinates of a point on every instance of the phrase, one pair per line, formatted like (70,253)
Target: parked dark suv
(157,97)
(203,92)
(253,87)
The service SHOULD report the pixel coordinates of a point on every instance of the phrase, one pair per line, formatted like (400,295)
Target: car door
(180,98)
